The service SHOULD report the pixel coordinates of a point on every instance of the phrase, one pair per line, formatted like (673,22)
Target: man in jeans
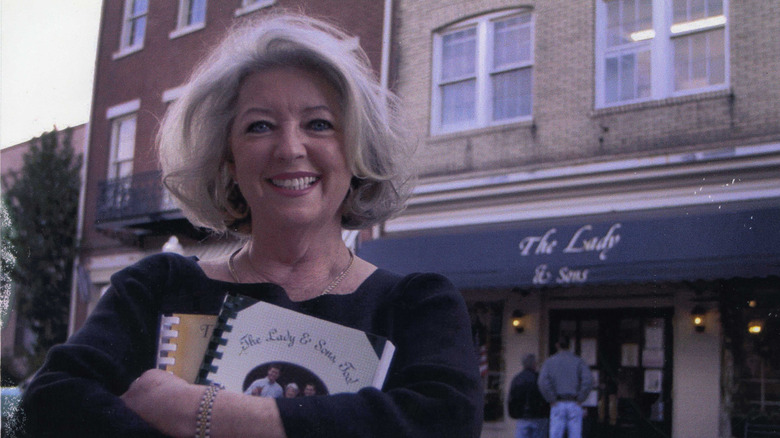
(565,381)
(526,403)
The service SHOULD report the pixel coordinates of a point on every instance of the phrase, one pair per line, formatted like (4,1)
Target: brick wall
(566,129)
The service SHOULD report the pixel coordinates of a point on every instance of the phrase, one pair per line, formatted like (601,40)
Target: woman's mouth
(301,183)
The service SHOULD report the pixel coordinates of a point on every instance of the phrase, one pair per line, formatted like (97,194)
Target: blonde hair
(192,140)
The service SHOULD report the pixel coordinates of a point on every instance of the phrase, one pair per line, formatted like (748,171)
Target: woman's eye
(257,127)
(320,125)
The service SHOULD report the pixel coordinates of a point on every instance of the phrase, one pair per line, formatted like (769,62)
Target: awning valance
(616,248)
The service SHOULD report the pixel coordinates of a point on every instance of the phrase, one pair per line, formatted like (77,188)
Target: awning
(617,248)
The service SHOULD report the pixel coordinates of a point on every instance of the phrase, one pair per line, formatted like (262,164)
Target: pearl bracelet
(203,424)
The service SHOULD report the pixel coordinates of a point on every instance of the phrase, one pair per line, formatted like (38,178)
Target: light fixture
(697,316)
(755,326)
(517,321)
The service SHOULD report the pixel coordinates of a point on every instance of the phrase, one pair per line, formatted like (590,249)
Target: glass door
(630,354)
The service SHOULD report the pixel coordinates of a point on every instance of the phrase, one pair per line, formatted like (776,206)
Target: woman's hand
(167,402)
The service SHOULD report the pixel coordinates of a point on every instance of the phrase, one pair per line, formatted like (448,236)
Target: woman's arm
(76,392)
(170,405)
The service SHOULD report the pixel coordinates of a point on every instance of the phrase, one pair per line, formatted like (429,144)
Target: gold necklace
(329,289)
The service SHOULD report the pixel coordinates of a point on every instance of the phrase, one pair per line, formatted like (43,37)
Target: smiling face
(273,374)
(287,145)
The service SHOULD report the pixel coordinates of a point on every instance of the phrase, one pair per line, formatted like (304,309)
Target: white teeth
(294,183)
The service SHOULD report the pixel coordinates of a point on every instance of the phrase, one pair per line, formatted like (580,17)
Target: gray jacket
(564,376)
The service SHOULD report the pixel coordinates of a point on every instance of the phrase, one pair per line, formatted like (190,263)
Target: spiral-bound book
(256,344)
(183,341)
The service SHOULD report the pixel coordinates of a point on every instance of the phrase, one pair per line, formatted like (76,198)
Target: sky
(47,62)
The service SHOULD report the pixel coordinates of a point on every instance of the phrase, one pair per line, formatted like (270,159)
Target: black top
(525,400)
(433,387)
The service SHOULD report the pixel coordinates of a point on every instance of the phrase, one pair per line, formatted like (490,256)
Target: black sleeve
(433,390)
(76,392)
(516,400)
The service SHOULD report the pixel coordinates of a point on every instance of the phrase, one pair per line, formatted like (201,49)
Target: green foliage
(42,204)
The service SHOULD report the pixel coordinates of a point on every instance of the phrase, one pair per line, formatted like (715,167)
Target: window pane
(512,94)
(698,9)
(717,48)
(680,11)
(125,139)
(691,10)
(611,81)
(140,7)
(681,67)
(139,27)
(628,17)
(613,24)
(643,74)
(699,60)
(627,77)
(459,50)
(629,21)
(197,13)
(124,169)
(458,102)
(627,63)
(512,41)
(715,7)
(645,15)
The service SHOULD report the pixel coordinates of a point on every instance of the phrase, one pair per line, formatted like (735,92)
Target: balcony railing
(137,198)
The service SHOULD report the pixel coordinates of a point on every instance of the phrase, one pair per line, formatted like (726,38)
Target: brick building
(610,170)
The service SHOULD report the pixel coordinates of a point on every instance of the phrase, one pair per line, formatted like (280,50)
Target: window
(248,6)
(483,72)
(192,16)
(487,328)
(133,26)
(654,49)
(122,147)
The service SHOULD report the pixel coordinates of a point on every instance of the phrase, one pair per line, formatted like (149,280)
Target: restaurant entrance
(630,354)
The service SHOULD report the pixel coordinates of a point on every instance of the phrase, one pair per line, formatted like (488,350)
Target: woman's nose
(290,143)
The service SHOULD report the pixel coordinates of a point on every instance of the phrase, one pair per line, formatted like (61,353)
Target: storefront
(624,285)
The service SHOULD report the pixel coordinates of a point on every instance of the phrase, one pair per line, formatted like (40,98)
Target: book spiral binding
(166,344)
(228,312)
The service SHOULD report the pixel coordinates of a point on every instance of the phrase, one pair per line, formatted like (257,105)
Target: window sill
(669,101)
(253,7)
(125,51)
(186,30)
(471,132)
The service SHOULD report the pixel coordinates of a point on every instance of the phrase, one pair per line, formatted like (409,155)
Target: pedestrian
(526,403)
(565,382)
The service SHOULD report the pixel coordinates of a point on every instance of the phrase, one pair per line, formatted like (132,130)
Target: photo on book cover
(291,379)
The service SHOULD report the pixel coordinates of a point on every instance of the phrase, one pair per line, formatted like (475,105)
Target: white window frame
(484,71)
(125,46)
(248,6)
(182,26)
(115,115)
(661,43)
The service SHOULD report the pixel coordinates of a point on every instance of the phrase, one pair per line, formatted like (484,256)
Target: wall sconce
(518,321)
(697,316)
(755,326)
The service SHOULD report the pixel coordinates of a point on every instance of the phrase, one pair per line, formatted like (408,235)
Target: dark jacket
(433,388)
(525,400)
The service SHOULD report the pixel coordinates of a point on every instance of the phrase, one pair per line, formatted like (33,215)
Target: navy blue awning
(616,248)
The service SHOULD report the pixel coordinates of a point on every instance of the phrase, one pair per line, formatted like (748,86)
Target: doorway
(629,352)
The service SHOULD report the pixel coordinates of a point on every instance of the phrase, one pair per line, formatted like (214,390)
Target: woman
(291,390)
(283,137)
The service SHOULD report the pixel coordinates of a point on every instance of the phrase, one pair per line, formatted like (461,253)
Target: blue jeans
(531,428)
(566,415)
